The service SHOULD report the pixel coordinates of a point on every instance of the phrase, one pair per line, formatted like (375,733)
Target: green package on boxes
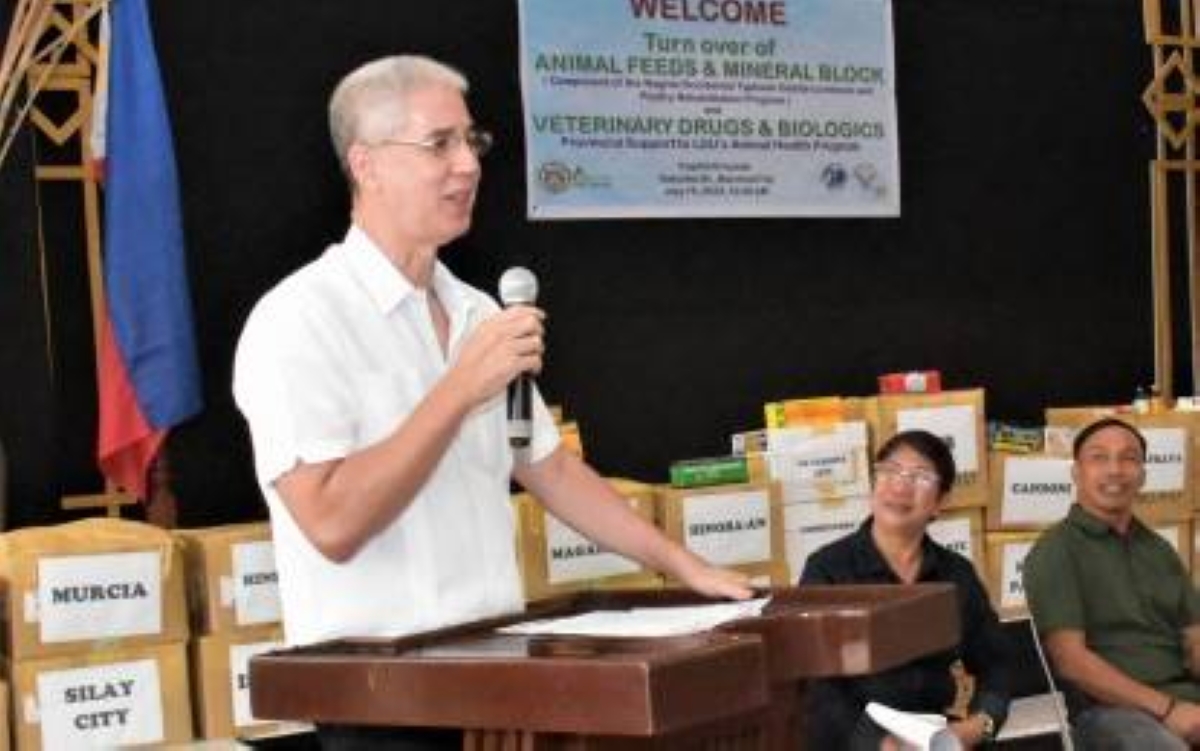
(719,470)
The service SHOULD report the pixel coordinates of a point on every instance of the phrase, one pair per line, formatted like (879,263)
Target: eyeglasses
(922,479)
(441,145)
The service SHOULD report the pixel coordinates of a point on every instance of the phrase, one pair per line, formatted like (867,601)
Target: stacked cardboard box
(735,526)
(95,627)
(555,559)
(234,594)
(819,452)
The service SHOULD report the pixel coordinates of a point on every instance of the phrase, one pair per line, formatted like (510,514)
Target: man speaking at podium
(373,382)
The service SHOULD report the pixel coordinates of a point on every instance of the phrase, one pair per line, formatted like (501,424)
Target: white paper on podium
(927,732)
(642,622)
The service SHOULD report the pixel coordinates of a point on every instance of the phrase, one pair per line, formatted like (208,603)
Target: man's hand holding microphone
(505,348)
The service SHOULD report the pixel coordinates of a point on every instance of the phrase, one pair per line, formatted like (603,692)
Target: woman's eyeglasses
(922,479)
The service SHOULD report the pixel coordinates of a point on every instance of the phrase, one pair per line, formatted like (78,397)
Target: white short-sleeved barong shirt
(332,360)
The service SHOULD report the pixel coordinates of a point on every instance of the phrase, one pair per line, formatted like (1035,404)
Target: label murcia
(82,593)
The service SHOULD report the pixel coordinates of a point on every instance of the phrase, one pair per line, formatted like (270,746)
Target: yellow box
(231,577)
(221,682)
(1028,491)
(571,439)
(556,559)
(102,699)
(734,526)
(958,417)
(815,411)
(96,583)
(1164,505)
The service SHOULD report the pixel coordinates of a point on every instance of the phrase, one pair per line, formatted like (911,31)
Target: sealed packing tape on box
(97,582)
(232,581)
(556,559)
(102,699)
(736,526)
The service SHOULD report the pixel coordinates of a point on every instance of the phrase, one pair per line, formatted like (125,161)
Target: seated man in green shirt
(1115,606)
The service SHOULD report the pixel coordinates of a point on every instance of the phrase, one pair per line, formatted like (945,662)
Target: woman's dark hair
(928,445)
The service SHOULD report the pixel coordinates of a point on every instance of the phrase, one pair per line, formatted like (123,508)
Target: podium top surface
(474,677)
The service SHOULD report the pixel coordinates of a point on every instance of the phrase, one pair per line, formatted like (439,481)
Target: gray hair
(369,102)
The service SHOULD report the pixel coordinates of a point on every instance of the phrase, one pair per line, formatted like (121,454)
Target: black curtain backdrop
(1020,262)
(28,407)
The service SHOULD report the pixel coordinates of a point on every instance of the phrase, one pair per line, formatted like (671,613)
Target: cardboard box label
(239,679)
(1166,459)
(729,528)
(255,583)
(572,557)
(88,597)
(103,706)
(1036,490)
(954,533)
(1012,564)
(955,424)
(809,464)
(809,526)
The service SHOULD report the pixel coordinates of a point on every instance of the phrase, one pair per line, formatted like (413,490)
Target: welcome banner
(668,108)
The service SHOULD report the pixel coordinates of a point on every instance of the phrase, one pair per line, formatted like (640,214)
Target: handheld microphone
(518,286)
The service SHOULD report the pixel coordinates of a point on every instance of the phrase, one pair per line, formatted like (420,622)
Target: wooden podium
(738,687)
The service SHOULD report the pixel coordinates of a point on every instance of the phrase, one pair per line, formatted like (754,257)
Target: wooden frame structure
(61,80)
(1171,98)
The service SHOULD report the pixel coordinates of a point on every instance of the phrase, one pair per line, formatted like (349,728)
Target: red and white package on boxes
(911,382)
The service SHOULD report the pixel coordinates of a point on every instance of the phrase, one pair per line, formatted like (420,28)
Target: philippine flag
(147,370)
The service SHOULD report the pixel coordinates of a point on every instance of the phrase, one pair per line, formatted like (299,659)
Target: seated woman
(914,472)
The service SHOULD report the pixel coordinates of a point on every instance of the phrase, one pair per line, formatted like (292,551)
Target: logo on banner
(833,177)
(557,177)
(868,178)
